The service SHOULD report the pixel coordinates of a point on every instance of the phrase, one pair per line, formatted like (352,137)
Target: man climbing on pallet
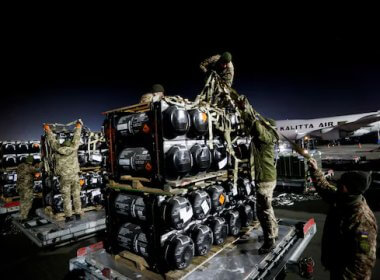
(25,175)
(67,168)
(222,65)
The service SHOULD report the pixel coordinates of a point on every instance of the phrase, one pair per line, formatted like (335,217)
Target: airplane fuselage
(296,129)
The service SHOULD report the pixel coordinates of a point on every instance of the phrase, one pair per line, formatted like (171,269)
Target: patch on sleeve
(363,242)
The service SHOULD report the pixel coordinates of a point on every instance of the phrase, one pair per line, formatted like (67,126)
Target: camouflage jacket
(211,63)
(25,175)
(263,142)
(349,235)
(66,158)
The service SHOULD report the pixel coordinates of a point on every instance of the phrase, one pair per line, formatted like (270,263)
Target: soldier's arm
(262,133)
(326,190)
(206,63)
(76,137)
(229,75)
(364,255)
(53,142)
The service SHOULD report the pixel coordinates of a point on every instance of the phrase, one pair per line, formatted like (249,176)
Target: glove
(312,163)
(46,127)
(79,123)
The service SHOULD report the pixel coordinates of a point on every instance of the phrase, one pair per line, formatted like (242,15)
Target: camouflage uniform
(349,236)
(67,168)
(211,63)
(262,153)
(25,175)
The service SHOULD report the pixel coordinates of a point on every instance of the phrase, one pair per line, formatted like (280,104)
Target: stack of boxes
(12,154)
(185,201)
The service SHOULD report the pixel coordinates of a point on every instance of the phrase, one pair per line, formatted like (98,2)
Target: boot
(267,246)
(77,217)
(69,219)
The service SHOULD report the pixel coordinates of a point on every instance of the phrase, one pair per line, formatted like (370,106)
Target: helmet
(226,57)
(157,88)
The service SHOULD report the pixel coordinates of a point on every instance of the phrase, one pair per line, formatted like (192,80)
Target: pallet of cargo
(44,231)
(134,261)
(234,260)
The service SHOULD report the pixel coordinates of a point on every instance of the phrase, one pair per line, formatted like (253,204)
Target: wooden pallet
(136,108)
(137,186)
(177,187)
(199,179)
(61,216)
(9,199)
(139,264)
(90,168)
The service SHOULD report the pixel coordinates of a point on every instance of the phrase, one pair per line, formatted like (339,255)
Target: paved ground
(370,151)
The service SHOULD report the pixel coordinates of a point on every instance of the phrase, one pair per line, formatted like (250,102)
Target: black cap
(157,88)
(356,182)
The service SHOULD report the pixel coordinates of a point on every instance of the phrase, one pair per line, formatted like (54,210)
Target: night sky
(58,69)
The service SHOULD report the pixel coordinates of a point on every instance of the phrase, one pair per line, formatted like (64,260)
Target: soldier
(156,93)
(25,175)
(262,153)
(221,64)
(67,168)
(350,231)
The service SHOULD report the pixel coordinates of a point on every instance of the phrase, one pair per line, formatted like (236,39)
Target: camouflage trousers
(265,211)
(26,200)
(71,187)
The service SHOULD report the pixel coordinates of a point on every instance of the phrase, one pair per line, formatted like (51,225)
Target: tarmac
(369,151)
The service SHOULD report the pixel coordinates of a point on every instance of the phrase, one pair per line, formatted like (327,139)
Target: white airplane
(331,128)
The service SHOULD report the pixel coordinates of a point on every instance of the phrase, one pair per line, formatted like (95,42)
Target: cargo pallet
(236,259)
(45,231)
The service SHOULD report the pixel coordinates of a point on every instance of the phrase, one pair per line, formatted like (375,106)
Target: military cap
(356,182)
(157,88)
(226,57)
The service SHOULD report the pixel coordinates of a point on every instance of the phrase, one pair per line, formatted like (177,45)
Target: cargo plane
(330,128)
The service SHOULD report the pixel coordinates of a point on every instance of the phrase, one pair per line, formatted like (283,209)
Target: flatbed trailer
(237,260)
(9,207)
(47,232)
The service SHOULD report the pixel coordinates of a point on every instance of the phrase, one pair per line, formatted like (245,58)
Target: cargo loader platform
(237,260)
(9,207)
(47,232)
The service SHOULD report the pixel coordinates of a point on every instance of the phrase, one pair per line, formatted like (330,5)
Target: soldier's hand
(46,127)
(79,124)
(312,163)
